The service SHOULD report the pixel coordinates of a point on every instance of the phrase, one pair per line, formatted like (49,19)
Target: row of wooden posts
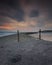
(19,34)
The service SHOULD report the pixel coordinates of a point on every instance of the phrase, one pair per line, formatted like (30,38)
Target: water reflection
(44,36)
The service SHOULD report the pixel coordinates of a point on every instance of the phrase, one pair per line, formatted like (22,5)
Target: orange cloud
(7,27)
(15,25)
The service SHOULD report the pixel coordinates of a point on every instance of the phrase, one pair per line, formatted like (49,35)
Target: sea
(6,34)
(44,36)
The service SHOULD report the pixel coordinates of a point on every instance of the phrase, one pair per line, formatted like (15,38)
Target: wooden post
(18,34)
(40,34)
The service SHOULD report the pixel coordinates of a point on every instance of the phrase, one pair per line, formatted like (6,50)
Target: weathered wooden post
(18,35)
(40,34)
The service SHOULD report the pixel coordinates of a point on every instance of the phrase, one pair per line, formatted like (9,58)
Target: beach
(28,51)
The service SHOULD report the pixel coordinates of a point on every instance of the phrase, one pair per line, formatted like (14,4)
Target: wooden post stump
(18,35)
(40,34)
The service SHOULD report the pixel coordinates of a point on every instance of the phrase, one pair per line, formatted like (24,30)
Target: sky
(25,15)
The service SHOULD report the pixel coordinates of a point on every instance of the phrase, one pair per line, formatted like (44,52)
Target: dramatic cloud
(11,9)
(34,13)
(7,23)
(25,14)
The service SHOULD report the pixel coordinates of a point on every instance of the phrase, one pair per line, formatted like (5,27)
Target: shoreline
(15,35)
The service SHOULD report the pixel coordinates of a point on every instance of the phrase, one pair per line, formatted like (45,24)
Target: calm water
(44,36)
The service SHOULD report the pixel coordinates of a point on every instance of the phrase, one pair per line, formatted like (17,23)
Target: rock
(17,58)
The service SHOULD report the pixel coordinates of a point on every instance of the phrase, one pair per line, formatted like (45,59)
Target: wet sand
(29,51)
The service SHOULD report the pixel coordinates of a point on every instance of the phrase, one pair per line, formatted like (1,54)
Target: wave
(6,34)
